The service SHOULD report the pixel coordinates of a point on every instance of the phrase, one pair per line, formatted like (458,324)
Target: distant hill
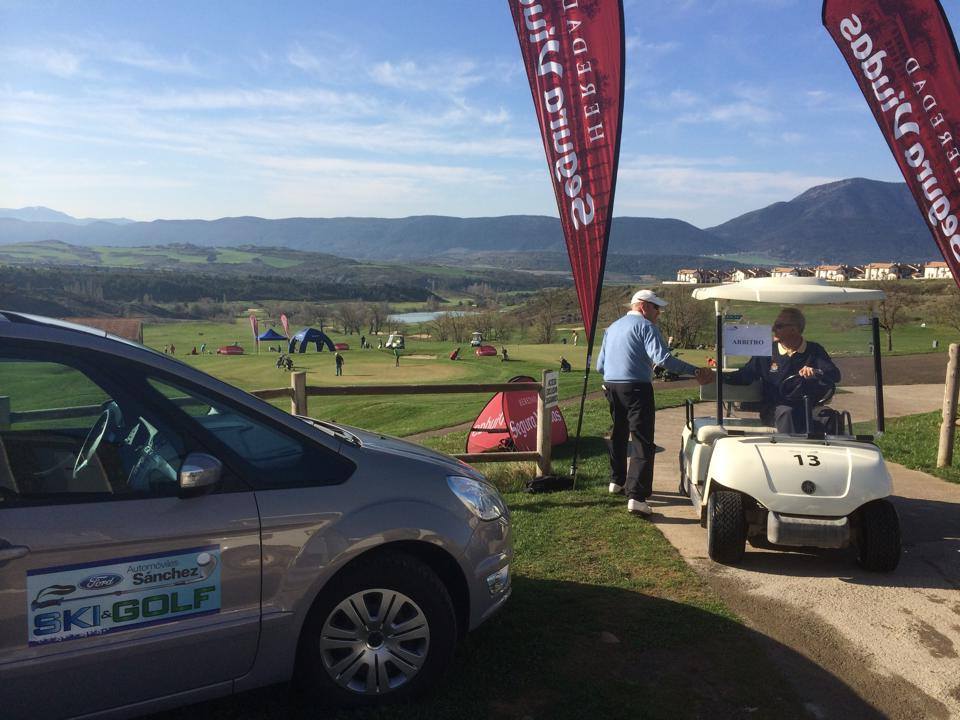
(372,238)
(855,220)
(43,214)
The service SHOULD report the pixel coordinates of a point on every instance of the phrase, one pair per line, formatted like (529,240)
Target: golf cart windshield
(842,324)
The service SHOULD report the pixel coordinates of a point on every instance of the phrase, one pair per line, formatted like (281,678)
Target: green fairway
(423,362)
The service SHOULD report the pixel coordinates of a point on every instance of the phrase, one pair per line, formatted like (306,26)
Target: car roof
(789,291)
(28,319)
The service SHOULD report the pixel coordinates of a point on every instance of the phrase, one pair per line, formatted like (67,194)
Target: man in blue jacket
(792,355)
(631,347)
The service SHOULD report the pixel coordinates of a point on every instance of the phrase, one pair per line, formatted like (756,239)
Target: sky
(325,108)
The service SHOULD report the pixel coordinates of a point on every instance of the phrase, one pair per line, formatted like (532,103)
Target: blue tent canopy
(307,336)
(272,334)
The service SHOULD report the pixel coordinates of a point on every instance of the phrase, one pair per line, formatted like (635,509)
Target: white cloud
(62,63)
(136,55)
(301,58)
(450,77)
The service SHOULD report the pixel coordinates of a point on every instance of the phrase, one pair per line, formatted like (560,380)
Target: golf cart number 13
(812,460)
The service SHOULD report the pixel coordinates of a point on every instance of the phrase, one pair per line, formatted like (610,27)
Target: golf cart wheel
(726,527)
(384,630)
(879,537)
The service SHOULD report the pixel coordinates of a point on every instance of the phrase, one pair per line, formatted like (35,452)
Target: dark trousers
(634,415)
(785,418)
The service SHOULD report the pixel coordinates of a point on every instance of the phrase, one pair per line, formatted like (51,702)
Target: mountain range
(854,221)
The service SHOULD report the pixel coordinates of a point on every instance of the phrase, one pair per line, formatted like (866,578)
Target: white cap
(647,296)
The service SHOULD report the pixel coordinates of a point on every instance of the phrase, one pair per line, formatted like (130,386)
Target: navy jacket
(774,370)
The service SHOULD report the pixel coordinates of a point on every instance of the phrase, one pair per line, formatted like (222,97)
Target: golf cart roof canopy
(789,291)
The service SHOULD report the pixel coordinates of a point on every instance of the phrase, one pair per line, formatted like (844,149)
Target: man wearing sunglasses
(792,355)
(631,347)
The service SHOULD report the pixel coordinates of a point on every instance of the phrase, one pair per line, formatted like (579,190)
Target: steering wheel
(92,442)
(819,388)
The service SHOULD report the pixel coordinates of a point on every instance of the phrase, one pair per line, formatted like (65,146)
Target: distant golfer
(338,359)
(396,354)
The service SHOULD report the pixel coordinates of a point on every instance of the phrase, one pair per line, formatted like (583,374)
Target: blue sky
(382,108)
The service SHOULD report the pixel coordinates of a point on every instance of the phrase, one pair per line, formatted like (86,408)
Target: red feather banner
(904,58)
(573,51)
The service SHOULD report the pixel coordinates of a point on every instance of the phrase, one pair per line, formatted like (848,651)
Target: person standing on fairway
(338,359)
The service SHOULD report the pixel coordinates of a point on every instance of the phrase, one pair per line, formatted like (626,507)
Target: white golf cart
(476,340)
(395,342)
(752,483)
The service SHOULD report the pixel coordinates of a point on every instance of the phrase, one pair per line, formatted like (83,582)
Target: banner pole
(583,399)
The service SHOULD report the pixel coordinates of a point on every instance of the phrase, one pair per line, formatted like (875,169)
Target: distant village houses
(791,272)
(935,270)
(840,273)
(890,271)
(742,274)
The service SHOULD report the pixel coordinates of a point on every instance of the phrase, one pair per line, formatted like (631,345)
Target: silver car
(166,538)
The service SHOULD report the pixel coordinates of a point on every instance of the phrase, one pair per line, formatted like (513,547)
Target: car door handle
(12,552)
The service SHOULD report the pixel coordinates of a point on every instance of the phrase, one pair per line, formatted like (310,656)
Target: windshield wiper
(334,430)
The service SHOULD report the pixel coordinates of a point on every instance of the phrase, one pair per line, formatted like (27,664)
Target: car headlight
(481,499)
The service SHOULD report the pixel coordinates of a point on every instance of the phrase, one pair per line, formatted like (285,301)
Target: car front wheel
(385,629)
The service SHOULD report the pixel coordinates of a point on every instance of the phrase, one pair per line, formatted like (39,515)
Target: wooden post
(4,412)
(947,428)
(544,425)
(298,403)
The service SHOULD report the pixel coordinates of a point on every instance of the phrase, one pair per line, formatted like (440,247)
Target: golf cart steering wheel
(819,388)
(92,442)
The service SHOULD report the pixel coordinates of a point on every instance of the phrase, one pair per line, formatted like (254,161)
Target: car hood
(396,446)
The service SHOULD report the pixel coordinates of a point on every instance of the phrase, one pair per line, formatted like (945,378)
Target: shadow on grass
(570,650)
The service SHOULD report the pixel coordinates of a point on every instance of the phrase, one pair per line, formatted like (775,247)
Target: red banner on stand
(255,326)
(904,58)
(285,324)
(573,51)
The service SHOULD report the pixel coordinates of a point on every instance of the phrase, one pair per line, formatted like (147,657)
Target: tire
(347,658)
(726,527)
(878,542)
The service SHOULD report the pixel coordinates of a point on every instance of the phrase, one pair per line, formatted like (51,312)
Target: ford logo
(101,581)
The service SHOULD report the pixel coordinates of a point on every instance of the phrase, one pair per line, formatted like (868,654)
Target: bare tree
(685,319)
(543,318)
(892,311)
(376,316)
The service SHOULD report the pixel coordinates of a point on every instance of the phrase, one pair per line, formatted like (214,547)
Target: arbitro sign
(747,340)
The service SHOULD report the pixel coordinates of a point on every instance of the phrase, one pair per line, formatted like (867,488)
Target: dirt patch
(420,357)
(938,644)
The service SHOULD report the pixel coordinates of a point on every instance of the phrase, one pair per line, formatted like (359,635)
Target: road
(892,638)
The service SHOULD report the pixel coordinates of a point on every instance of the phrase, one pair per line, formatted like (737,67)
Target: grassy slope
(913,440)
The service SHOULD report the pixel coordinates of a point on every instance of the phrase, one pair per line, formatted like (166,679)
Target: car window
(276,458)
(64,437)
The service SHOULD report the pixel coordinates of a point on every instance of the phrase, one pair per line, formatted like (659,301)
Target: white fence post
(546,400)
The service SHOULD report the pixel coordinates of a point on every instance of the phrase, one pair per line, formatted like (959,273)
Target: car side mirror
(199,473)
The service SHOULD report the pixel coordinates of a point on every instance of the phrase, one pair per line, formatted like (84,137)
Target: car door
(114,588)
